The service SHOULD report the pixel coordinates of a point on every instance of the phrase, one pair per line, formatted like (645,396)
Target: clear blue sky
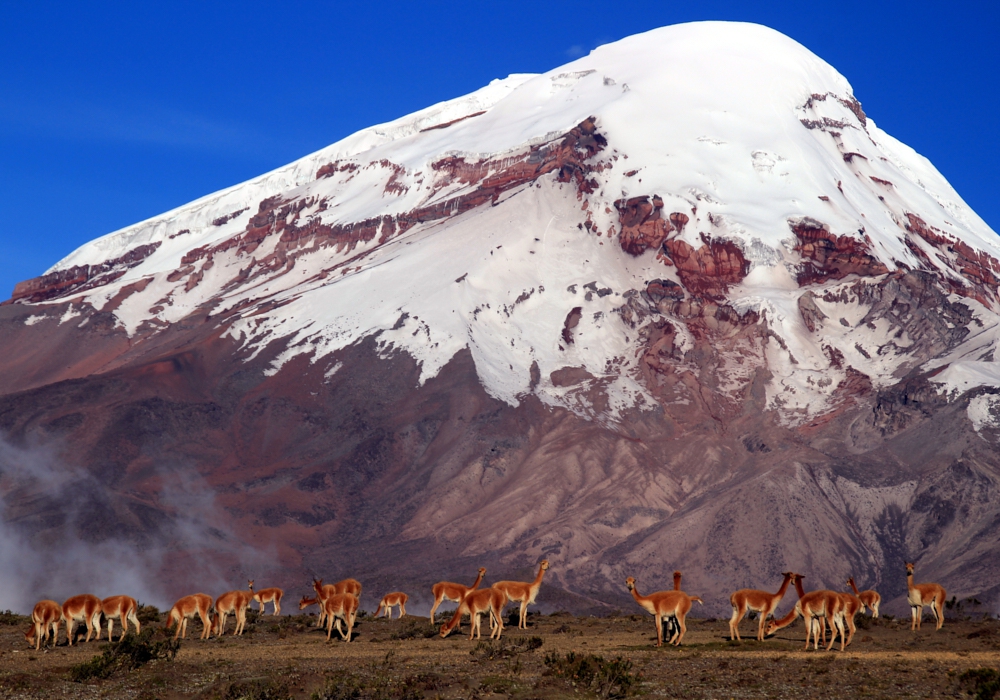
(114,112)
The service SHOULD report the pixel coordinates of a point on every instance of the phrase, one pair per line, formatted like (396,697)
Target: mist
(63,532)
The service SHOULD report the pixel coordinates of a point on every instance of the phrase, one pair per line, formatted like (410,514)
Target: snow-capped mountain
(679,303)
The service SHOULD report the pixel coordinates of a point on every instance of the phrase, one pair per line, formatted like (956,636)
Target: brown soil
(289,658)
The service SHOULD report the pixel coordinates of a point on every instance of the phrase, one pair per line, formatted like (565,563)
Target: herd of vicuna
(338,603)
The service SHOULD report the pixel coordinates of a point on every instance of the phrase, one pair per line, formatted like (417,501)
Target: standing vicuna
(390,600)
(870,598)
(761,602)
(523,592)
(123,608)
(185,609)
(84,608)
(920,594)
(663,604)
(231,603)
(267,595)
(446,590)
(45,619)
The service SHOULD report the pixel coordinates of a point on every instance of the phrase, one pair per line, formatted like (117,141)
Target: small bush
(984,683)
(506,648)
(496,684)
(608,679)
(376,686)
(8,617)
(414,630)
(125,656)
(148,615)
(257,690)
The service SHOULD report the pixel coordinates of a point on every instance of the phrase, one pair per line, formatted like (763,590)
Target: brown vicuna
(122,608)
(84,608)
(185,609)
(45,619)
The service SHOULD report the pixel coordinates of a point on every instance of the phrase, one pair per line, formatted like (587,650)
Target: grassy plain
(559,656)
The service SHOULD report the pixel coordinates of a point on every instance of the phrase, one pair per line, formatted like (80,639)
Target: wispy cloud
(148,124)
(48,550)
(578,50)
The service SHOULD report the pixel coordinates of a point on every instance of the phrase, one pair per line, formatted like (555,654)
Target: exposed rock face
(826,256)
(710,269)
(643,226)
(522,324)
(79,278)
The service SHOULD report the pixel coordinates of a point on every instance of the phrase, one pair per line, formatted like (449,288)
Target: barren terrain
(288,657)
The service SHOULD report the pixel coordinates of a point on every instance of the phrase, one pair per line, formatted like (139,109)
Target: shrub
(257,690)
(984,683)
(506,648)
(496,684)
(148,615)
(375,686)
(414,630)
(11,618)
(608,679)
(125,656)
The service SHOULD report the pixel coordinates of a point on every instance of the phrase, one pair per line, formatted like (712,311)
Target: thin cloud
(147,124)
(46,550)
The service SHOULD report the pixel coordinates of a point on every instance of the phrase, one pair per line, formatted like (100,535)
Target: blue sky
(114,112)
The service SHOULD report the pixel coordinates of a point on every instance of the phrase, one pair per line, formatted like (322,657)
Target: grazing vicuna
(123,608)
(45,619)
(82,608)
(870,598)
(390,600)
(340,606)
(474,604)
(231,603)
(348,585)
(852,606)
(185,609)
(812,606)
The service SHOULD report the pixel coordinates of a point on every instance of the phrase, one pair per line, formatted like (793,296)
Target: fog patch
(64,532)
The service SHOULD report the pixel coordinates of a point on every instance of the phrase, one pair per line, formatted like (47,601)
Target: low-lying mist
(64,532)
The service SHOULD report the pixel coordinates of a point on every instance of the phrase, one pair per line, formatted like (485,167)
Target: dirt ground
(558,656)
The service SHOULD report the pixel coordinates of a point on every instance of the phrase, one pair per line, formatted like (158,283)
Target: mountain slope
(680,297)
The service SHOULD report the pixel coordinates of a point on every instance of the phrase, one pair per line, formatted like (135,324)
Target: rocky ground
(558,656)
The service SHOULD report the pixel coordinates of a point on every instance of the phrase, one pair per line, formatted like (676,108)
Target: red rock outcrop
(643,226)
(336,166)
(827,256)
(79,277)
(979,268)
(709,270)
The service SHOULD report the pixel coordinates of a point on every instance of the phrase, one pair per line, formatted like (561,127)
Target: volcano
(678,304)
